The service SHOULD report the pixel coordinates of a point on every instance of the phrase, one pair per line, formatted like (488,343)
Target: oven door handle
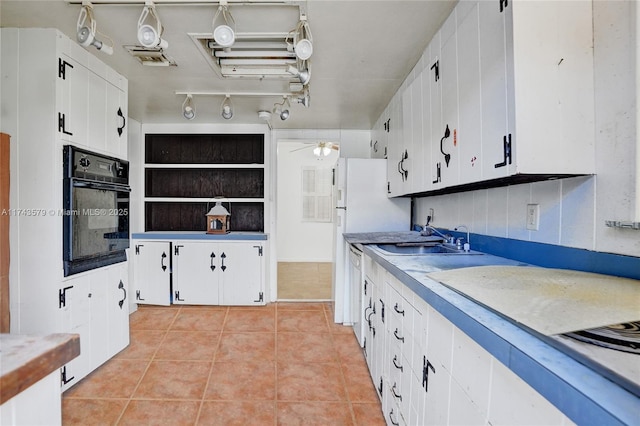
(99,185)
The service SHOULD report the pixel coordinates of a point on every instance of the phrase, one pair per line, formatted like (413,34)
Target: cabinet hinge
(177,294)
(62,68)
(388,187)
(138,248)
(62,296)
(503,4)
(61,124)
(176,249)
(426,366)
(506,147)
(260,298)
(436,69)
(259,250)
(438,173)
(138,297)
(63,376)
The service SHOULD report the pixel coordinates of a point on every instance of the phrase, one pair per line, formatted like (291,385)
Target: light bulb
(304,49)
(224,35)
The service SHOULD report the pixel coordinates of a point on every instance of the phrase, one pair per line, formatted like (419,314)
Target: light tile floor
(281,364)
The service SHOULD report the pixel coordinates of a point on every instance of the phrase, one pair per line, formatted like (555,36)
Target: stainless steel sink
(419,250)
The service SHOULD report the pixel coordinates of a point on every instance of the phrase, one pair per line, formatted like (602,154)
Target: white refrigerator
(361,205)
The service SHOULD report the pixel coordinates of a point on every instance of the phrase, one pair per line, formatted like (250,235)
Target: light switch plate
(533,217)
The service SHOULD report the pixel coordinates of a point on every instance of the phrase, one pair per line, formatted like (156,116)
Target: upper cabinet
(507,96)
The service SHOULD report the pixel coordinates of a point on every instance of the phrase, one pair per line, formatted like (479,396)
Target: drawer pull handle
(395,363)
(397,309)
(393,391)
(395,333)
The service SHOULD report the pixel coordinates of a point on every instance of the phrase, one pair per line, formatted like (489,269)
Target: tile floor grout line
(213,361)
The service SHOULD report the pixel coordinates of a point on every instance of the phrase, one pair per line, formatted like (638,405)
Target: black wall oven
(96,210)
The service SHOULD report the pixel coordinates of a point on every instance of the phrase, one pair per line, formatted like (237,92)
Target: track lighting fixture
(304,98)
(279,108)
(149,36)
(303,75)
(86,31)
(302,40)
(227,108)
(188,108)
(223,34)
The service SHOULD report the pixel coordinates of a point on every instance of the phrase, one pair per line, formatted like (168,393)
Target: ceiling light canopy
(324,149)
(148,35)
(224,34)
(86,30)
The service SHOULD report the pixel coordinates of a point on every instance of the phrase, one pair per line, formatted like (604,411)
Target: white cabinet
(152,272)
(49,98)
(199,272)
(427,371)
(507,96)
(396,153)
(95,305)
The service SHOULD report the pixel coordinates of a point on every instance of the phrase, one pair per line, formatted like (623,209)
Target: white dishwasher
(355,283)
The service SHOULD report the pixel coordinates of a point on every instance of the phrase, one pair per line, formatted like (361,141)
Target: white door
(115,116)
(73,107)
(118,307)
(493,83)
(435,111)
(97,125)
(196,273)
(449,77)
(76,318)
(152,271)
(470,107)
(241,272)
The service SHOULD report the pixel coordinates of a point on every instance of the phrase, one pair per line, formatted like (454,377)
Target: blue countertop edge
(198,235)
(582,394)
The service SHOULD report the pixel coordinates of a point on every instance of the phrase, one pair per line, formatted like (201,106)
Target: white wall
(298,241)
(572,211)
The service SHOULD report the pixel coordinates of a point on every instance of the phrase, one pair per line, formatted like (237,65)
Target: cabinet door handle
(375,146)
(223,256)
(393,391)
(395,363)
(397,309)
(506,148)
(213,256)
(503,4)
(395,333)
(124,297)
(124,122)
(393,422)
(447,157)
(162,258)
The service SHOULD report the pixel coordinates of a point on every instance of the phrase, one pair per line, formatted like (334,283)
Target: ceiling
(362,51)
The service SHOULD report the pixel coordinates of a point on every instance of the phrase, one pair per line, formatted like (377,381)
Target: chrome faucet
(430,230)
(467,244)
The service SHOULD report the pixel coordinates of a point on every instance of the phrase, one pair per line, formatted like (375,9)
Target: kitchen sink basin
(419,250)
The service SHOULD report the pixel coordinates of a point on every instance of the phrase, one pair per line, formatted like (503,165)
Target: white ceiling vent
(153,57)
(253,55)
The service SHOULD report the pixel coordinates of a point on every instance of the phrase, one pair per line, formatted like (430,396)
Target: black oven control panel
(79,163)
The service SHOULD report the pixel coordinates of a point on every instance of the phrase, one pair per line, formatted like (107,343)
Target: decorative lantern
(218,219)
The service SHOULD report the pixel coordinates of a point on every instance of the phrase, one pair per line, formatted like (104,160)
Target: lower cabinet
(199,272)
(429,372)
(95,305)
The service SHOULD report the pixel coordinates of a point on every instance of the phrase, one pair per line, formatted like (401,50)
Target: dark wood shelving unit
(184,173)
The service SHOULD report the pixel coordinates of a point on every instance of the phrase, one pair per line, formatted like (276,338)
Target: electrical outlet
(533,217)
